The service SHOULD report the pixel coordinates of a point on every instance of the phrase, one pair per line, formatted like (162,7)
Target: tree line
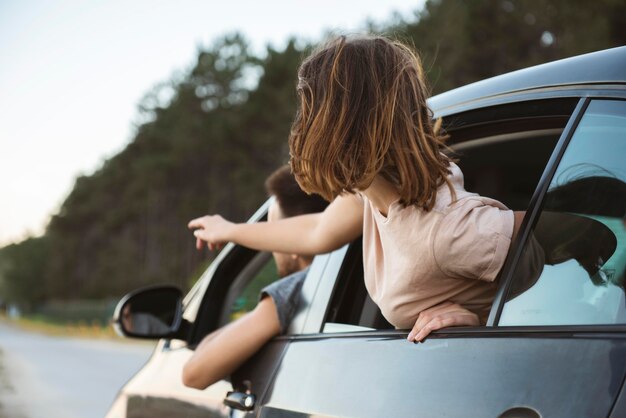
(207,139)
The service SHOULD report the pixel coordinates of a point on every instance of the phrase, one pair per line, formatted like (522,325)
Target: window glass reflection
(572,268)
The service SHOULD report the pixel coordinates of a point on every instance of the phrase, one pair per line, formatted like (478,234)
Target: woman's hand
(212,229)
(446,314)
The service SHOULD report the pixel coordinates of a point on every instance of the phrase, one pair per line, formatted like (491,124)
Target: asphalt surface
(43,376)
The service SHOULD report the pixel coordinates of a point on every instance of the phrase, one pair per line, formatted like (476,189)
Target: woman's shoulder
(473,237)
(451,191)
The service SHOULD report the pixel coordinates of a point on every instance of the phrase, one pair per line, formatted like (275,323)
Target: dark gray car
(549,140)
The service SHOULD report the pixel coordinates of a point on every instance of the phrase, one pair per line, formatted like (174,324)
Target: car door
(555,342)
(255,376)
(226,290)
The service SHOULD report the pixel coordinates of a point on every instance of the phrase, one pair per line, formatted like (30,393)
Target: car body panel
(157,389)
(462,376)
(590,71)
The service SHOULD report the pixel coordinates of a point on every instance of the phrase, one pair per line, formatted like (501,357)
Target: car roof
(602,67)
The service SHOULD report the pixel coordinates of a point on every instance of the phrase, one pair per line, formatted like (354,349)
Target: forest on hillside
(208,138)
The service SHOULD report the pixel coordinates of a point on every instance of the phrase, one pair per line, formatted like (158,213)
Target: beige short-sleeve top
(414,259)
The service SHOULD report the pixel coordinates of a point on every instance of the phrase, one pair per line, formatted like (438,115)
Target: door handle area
(520,412)
(241,401)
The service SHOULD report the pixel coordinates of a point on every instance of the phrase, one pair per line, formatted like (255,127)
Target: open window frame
(475,136)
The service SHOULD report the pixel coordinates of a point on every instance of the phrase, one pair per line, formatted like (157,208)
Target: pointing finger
(195,223)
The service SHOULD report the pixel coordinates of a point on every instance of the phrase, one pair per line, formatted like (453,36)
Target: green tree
(206,139)
(466,41)
(22,272)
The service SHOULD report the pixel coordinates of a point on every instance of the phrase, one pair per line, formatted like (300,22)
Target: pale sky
(72,73)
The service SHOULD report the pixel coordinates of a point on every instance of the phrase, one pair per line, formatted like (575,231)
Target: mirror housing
(153,312)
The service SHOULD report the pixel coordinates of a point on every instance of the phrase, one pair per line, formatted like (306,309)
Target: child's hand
(446,314)
(210,229)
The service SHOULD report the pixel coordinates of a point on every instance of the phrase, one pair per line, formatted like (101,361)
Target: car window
(243,291)
(572,267)
(504,165)
(507,167)
(351,308)
(248,296)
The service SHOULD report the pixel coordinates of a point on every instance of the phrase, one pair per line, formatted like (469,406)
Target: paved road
(43,376)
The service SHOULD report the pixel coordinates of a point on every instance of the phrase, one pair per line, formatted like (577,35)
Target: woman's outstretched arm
(340,223)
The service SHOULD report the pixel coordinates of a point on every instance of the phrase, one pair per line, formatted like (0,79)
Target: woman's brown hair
(363,113)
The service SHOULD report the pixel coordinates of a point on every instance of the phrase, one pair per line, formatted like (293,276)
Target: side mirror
(152,313)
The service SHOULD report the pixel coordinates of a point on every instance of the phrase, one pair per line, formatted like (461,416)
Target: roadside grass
(42,324)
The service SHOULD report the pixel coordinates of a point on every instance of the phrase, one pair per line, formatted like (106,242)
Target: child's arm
(340,223)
